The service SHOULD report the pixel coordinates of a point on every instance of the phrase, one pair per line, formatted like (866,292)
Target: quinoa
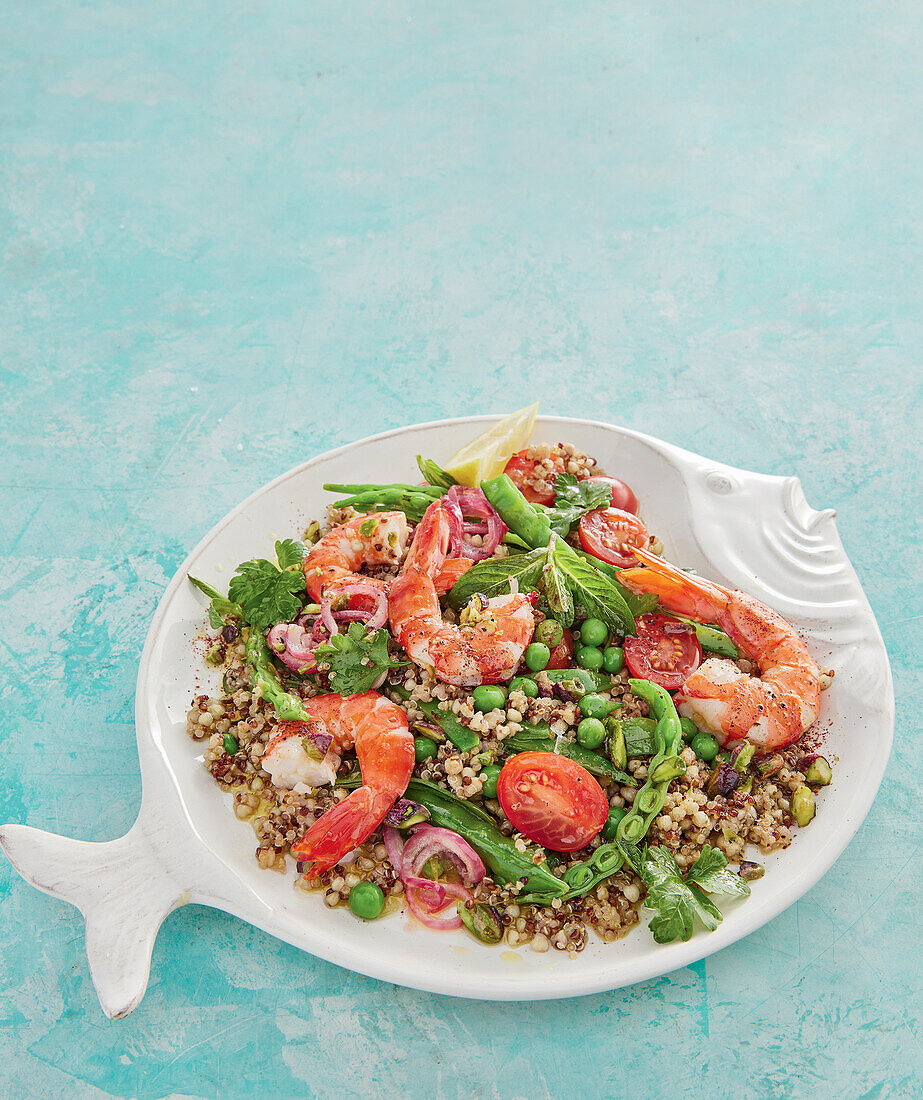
(235,725)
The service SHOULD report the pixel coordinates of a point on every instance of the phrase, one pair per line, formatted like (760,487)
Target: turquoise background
(233,236)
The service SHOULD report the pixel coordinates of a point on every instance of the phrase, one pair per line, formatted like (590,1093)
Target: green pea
(488,697)
(690,729)
(591,733)
(537,656)
(704,746)
(613,659)
(612,822)
(591,657)
(549,632)
(528,687)
(229,744)
(595,706)
(489,777)
(367,900)
(423,749)
(593,632)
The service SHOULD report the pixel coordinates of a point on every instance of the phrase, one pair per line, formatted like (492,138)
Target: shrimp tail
(341,829)
(679,592)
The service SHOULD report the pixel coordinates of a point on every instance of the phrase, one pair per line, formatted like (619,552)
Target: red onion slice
(428,916)
(294,646)
(463,507)
(373,619)
(428,841)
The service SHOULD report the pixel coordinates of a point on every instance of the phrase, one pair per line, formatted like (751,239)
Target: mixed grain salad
(486,699)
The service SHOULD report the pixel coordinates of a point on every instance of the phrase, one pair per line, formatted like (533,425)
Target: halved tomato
(521,470)
(622,495)
(563,652)
(552,800)
(666,651)
(610,534)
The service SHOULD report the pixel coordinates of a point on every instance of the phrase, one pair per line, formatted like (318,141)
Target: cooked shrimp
(377,729)
(376,539)
(485,651)
(772,711)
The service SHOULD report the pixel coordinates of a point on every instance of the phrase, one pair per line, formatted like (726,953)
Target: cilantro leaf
(574,499)
(266,594)
(221,608)
(289,553)
(710,872)
(356,659)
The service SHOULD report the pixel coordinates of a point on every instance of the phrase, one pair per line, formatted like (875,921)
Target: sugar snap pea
(668,738)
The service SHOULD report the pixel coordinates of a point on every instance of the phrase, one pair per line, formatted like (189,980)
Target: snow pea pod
(711,638)
(540,739)
(507,864)
(462,737)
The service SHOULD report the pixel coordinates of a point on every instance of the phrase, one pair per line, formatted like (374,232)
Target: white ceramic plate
(743,529)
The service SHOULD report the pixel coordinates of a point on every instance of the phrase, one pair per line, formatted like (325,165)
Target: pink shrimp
(376,539)
(336,559)
(377,729)
(772,711)
(484,651)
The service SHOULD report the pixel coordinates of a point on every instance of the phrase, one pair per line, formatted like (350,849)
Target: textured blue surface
(234,236)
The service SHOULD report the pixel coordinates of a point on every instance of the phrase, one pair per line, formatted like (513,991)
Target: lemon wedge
(485,456)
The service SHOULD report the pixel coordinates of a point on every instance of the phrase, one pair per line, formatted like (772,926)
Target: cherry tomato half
(552,800)
(563,652)
(666,651)
(622,495)
(610,534)
(520,469)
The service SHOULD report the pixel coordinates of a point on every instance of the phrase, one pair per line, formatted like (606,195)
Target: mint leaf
(289,553)
(554,584)
(356,659)
(266,594)
(595,594)
(493,575)
(710,872)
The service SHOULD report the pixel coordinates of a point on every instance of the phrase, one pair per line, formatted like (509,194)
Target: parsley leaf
(289,553)
(676,901)
(221,608)
(266,594)
(574,499)
(710,872)
(356,659)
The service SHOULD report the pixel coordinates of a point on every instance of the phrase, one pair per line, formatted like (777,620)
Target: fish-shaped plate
(745,530)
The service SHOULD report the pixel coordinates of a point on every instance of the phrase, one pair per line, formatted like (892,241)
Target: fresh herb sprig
(676,901)
(356,659)
(268,593)
(574,499)
(570,586)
